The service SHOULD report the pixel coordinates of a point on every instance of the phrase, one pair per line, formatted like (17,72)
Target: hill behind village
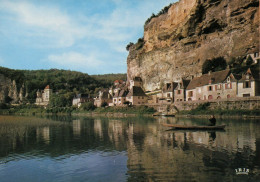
(65,82)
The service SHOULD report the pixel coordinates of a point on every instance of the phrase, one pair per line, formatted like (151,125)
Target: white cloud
(75,60)
(55,27)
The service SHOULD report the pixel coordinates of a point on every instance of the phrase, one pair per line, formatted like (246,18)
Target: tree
(216,64)
(88,106)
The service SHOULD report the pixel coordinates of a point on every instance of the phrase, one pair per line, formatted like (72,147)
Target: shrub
(88,106)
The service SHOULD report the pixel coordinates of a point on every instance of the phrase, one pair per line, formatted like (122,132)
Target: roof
(253,75)
(214,77)
(123,93)
(169,87)
(119,81)
(106,95)
(136,91)
(47,87)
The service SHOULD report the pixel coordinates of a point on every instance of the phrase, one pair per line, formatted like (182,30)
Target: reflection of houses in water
(98,127)
(115,131)
(43,133)
(76,127)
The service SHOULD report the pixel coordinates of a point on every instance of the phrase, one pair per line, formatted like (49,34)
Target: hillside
(178,40)
(18,85)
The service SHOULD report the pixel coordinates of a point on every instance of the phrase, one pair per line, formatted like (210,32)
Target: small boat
(184,127)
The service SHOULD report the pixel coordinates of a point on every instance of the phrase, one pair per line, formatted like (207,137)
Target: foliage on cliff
(163,11)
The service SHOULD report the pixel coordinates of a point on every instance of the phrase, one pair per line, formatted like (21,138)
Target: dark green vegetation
(203,109)
(237,65)
(66,83)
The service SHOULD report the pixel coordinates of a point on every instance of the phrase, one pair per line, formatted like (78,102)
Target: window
(228,79)
(119,99)
(210,97)
(218,87)
(168,95)
(138,97)
(228,85)
(179,91)
(129,97)
(142,97)
(190,94)
(247,85)
(210,88)
(114,100)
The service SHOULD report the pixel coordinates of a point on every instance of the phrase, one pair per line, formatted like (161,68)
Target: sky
(89,36)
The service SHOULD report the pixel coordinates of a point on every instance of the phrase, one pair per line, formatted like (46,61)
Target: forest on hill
(64,82)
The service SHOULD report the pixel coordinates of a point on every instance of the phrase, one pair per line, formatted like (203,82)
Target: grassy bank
(33,110)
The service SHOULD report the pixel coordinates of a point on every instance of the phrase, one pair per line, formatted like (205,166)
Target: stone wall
(247,103)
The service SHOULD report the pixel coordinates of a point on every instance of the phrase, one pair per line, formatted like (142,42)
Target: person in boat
(212,121)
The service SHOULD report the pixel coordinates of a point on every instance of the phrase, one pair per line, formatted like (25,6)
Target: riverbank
(200,112)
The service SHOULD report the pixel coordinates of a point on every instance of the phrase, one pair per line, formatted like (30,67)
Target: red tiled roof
(47,87)
(215,77)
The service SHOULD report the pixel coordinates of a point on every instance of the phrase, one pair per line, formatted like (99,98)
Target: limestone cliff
(9,91)
(177,43)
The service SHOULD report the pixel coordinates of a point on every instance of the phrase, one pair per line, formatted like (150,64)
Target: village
(211,87)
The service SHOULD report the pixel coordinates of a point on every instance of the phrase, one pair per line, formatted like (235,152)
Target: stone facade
(43,97)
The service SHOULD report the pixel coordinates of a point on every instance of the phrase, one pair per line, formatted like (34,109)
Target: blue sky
(82,35)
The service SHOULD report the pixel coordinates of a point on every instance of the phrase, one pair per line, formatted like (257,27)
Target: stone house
(81,98)
(118,85)
(136,96)
(103,97)
(180,90)
(120,97)
(43,97)
(212,86)
(248,85)
(136,81)
(168,92)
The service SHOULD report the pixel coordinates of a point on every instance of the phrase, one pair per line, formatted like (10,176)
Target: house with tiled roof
(180,90)
(120,97)
(249,84)
(103,97)
(211,86)
(168,91)
(136,96)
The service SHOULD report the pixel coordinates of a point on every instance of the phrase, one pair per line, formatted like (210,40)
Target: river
(64,148)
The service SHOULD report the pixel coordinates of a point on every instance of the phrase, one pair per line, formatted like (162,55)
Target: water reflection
(139,149)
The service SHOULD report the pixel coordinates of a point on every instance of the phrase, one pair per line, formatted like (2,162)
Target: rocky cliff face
(9,91)
(177,43)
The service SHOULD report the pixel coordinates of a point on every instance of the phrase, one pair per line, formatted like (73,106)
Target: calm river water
(126,149)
